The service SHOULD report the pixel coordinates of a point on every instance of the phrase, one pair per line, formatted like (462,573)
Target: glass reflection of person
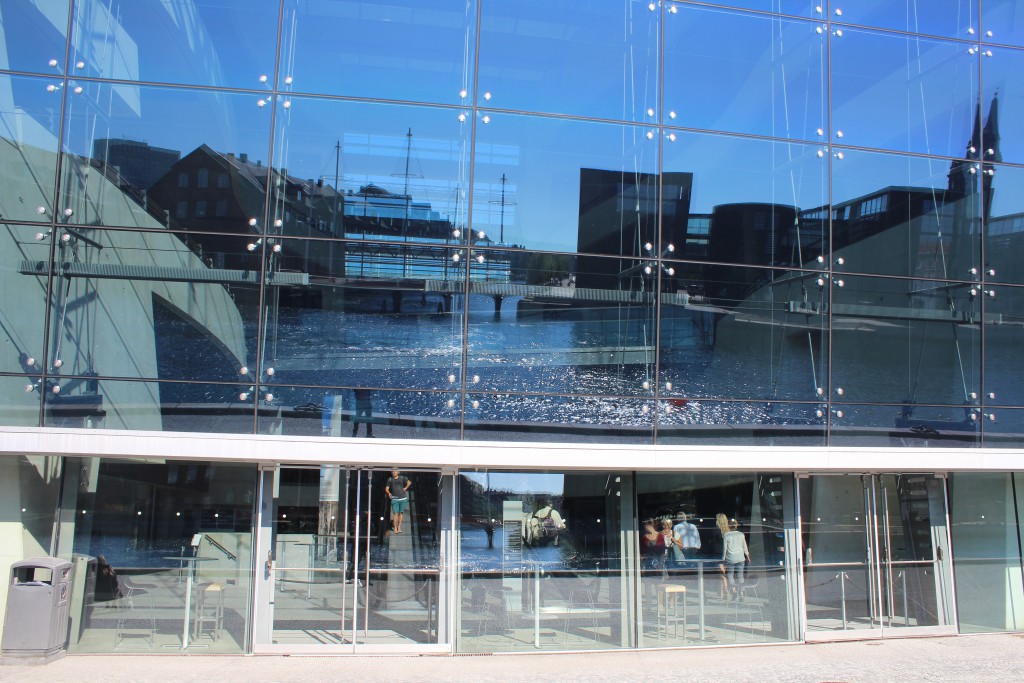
(363,412)
(397,489)
(735,555)
(722,522)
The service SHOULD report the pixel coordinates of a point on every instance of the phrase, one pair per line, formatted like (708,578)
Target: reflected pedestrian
(735,555)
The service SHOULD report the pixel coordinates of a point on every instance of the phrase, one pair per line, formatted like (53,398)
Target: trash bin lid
(52,563)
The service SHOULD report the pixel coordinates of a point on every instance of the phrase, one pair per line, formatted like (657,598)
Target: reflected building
(596,328)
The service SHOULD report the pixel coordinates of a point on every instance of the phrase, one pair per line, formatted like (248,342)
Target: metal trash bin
(38,601)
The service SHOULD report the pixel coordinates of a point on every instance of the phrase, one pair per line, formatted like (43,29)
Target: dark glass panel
(903,93)
(562,185)
(742,333)
(165,549)
(20,404)
(152,305)
(570,57)
(86,402)
(22,297)
(905,341)
(400,49)
(1002,22)
(1004,223)
(1003,427)
(763,423)
(944,19)
(228,43)
(1004,340)
(905,216)
(29,121)
(359,412)
(775,69)
(560,419)
(364,314)
(371,171)
(904,426)
(173,162)
(554,323)
(739,200)
(35,36)
(1003,102)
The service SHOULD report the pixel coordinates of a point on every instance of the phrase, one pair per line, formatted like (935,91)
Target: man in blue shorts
(397,488)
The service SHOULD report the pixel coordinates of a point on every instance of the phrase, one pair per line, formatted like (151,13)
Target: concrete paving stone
(976,658)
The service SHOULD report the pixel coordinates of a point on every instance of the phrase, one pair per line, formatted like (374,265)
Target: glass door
(355,560)
(876,556)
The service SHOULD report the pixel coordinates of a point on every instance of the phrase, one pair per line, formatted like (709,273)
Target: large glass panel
(738,332)
(740,200)
(775,68)
(202,42)
(371,171)
(1004,223)
(359,411)
(904,426)
(151,157)
(570,57)
(906,216)
(34,36)
(162,554)
(1003,132)
(1002,22)
(904,93)
(573,419)
(22,297)
(562,185)
(546,561)
(29,488)
(1004,339)
(905,341)
(352,564)
(20,404)
(984,516)
(876,554)
(152,305)
(563,324)
(400,49)
(29,121)
(90,403)
(948,20)
(1002,427)
(716,558)
(347,316)
(691,422)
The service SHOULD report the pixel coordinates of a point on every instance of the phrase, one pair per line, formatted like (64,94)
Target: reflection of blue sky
(418,50)
(545,174)
(774,69)
(519,482)
(572,57)
(374,149)
(567,57)
(203,42)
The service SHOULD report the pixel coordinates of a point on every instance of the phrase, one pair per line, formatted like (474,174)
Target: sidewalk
(998,657)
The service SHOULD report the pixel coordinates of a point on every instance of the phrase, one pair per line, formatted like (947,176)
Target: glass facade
(649,226)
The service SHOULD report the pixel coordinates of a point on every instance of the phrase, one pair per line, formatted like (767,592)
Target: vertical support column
(264,559)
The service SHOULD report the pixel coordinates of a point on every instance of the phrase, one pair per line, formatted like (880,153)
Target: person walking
(735,555)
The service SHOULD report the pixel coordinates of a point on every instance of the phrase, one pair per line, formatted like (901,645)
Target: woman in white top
(735,555)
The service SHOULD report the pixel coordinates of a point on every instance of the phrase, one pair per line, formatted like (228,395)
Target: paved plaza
(996,657)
